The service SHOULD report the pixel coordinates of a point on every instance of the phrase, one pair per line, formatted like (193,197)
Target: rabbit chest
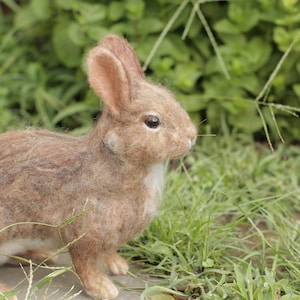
(154,183)
(143,206)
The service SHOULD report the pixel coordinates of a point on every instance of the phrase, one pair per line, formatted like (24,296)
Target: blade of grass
(277,68)
(266,130)
(159,289)
(211,38)
(165,31)
(188,24)
(11,4)
(276,124)
(30,280)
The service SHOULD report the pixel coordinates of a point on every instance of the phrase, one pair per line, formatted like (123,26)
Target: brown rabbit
(112,178)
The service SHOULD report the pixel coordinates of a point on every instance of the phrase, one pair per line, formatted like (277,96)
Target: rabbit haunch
(111,179)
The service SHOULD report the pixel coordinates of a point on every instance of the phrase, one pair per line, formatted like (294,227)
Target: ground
(63,287)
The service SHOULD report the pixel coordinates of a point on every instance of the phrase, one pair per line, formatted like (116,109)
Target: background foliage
(216,56)
(234,64)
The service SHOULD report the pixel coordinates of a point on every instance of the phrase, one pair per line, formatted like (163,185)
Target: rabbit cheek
(112,142)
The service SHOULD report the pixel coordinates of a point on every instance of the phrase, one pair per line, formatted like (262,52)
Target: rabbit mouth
(186,150)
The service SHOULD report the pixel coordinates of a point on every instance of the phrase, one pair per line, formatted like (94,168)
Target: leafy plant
(216,56)
(228,227)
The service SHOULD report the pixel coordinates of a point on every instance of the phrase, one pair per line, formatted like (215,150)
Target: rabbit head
(141,122)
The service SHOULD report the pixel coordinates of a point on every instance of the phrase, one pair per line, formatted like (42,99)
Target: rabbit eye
(152,122)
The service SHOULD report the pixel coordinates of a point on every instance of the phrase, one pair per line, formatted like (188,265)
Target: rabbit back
(30,171)
(31,152)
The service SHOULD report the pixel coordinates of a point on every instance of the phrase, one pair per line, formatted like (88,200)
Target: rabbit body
(57,177)
(93,193)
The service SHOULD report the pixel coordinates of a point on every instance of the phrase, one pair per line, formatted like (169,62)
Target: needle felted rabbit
(111,179)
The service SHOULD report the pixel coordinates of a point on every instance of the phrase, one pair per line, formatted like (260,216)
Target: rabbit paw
(117,264)
(4,289)
(102,289)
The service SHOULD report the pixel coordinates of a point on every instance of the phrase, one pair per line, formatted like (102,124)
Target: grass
(228,226)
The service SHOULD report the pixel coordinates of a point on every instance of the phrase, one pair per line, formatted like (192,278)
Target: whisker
(202,121)
(212,134)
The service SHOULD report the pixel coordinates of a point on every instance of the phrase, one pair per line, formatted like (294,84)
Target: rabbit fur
(112,178)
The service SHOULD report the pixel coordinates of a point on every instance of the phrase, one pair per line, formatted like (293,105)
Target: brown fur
(103,177)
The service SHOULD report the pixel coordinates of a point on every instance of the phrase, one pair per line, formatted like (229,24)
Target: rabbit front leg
(90,267)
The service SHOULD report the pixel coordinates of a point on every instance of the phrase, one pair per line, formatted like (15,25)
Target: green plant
(217,57)
(228,226)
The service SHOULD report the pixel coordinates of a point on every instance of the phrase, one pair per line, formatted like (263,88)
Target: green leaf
(66,4)
(162,249)
(162,65)
(115,11)
(135,9)
(218,88)
(296,89)
(96,33)
(291,5)
(258,52)
(149,25)
(160,291)
(226,26)
(41,9)
(66,50)
(71,110)
(240,280)
(77,34)
(284,37)
(192,102)
(175,47)
(185,76)
(249,82)
(48,279)
(123,28)
(245,16)
(24,18)
(209,263)
(90,13)
(161,297)
(290,297)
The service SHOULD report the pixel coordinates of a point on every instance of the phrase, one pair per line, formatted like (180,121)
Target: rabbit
(93,193)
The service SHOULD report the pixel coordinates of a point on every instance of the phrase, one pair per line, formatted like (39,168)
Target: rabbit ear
(108,79)
(112,68)
(123,50)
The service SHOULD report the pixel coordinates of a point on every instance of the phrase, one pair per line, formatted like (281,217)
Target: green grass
(227,228)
